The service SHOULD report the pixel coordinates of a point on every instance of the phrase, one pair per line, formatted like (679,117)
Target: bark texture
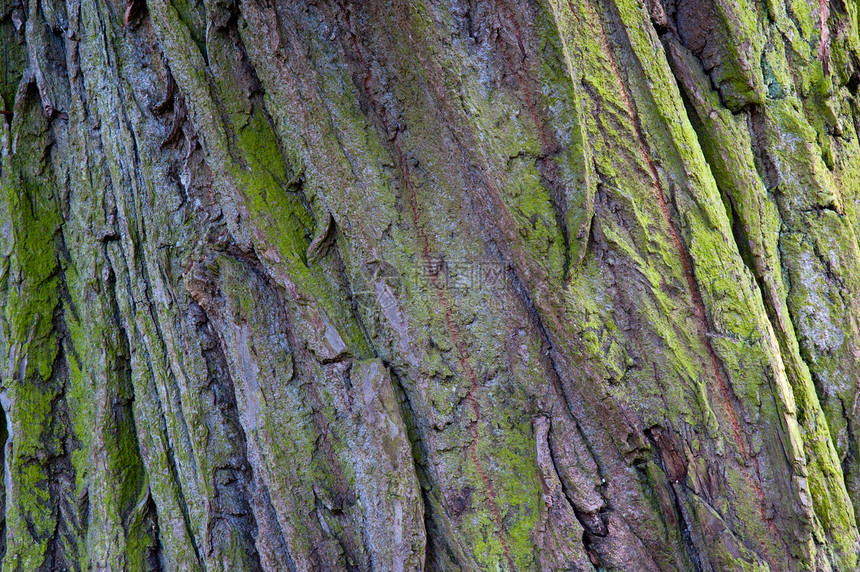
(430,285)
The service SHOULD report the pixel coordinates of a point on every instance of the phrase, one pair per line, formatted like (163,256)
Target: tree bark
(449,285)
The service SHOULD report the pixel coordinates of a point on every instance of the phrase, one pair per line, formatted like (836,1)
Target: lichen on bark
(455,285)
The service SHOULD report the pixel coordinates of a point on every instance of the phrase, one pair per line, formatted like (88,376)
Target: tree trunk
(451,285)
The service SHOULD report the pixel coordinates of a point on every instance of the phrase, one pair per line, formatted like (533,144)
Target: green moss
(13,57)
(629,136)
(517,496)
(727,147)
(32,299)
